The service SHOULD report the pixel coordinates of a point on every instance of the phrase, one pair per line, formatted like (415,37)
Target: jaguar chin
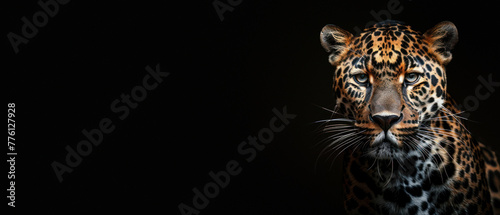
(385,146)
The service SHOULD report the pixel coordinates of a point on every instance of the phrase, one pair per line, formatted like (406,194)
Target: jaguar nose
(386,121)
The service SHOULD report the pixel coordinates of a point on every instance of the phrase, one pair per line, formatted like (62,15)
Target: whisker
(335,120)
(328,147)
(346,143)
(332,111)
(336,135)
(449,112)
(392,172)
(354,141)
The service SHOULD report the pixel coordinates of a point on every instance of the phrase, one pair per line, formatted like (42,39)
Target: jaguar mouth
(384,146)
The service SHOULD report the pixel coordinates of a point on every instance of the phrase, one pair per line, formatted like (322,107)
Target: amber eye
(411,78)
(361,78)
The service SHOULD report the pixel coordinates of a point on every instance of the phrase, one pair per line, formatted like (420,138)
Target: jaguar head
(390,81)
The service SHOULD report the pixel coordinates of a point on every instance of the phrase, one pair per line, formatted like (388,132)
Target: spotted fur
(407,149)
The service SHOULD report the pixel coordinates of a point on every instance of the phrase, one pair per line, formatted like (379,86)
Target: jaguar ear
(335,41)
(442,39)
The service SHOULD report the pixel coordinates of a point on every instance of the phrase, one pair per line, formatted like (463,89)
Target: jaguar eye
(411,78)
(361,78)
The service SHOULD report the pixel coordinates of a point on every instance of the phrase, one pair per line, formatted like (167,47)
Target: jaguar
(406,148)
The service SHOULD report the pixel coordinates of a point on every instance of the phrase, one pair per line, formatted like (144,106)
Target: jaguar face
(390,81)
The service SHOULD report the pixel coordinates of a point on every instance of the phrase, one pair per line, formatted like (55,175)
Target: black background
(225,79)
